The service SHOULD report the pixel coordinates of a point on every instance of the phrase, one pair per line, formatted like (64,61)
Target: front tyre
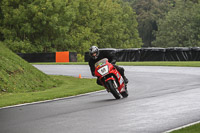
(113,90)
(125,93)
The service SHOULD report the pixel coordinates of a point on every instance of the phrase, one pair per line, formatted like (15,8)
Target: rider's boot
(125,79)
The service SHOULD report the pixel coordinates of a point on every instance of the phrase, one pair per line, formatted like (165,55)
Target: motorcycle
(111,79)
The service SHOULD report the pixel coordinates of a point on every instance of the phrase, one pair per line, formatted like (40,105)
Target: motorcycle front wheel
(125,94)
(110,84)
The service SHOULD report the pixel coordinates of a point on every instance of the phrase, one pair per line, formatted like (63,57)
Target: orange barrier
(62,56)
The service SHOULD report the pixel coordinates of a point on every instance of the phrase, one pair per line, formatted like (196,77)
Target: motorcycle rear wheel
(113,90)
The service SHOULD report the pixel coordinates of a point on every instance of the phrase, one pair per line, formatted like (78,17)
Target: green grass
(191,129)
(67,86)
(150,63)
(20,82)
(17,75)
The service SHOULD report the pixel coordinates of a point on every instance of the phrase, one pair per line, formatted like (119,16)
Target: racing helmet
(94,52)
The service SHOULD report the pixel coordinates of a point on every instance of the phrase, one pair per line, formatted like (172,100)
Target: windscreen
(101,62)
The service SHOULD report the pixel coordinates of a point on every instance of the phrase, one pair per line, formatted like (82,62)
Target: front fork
(114,83)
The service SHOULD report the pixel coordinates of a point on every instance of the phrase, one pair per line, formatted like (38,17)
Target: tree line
(168,23)
(28,26)
(75,25)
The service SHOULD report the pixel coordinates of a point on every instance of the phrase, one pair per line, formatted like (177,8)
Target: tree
(149,11)
(180,28)
(35,26)
(51,25)
(103,23)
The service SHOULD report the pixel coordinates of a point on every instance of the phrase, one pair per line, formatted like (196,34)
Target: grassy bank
(67,86)
(20,82)
(150,63)
(17,75)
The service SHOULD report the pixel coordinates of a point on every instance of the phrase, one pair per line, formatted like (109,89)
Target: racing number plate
(103,70)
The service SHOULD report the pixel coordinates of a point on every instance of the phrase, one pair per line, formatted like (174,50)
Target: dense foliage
(180,27)
(176,22)
(75,25)
(149,12)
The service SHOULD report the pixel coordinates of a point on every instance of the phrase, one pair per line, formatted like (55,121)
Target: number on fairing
(103,70)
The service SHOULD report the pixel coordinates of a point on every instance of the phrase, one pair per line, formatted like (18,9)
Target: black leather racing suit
(111,58)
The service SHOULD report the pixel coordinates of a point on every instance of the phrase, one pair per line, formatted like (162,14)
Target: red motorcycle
(110,78)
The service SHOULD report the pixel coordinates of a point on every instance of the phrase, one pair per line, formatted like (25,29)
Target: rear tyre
(113,90)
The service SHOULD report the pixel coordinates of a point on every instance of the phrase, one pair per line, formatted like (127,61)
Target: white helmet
(92,50)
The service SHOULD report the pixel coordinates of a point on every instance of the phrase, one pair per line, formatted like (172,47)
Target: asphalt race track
(160,99)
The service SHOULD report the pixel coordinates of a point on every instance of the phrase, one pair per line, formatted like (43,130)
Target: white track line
(18,105)
(184,126)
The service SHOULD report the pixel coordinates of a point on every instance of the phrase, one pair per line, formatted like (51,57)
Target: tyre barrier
(64,56)
(154,54)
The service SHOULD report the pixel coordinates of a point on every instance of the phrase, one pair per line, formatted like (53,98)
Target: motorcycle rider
(96,55)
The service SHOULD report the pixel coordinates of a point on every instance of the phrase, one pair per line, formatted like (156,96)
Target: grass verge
(191,129)
(147,63)
(67,86)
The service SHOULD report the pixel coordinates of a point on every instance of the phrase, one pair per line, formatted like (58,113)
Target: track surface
(160,98)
